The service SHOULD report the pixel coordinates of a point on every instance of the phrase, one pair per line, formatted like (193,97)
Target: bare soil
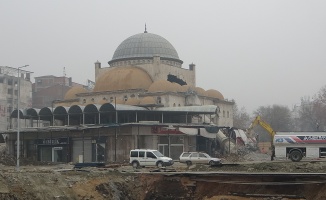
(121,181)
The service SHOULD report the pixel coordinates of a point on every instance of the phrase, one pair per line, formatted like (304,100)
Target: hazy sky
(256,52)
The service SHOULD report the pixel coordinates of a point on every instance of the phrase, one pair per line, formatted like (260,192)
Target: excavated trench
(222,186)
(261,181)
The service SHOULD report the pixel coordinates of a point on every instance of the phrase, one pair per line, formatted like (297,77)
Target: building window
(125,98)
(9,91)
(174,105)
(10,82)
(223,113)
(84,100)
(179,105)
(227,114)
(158,100)
(92,99)
(111,99)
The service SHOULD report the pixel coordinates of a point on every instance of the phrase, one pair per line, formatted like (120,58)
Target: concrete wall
(8,97)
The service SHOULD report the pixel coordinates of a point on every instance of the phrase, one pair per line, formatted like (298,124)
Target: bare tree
(312,113)
(307,120)
(319,109)
(279,117)
(241,118)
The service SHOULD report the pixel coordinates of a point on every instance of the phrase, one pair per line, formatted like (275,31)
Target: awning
(206,134)
(189,131)
(169,131)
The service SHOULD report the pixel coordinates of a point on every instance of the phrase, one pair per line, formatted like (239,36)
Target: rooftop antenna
(145,29)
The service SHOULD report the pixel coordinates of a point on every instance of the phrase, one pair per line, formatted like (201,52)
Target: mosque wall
(120,97)
(225,115)
(173,100)
(206,101)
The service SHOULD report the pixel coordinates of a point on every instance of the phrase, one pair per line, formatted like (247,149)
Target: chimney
(97,64)
(192,66)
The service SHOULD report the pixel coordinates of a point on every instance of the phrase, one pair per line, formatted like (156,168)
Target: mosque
(143,99)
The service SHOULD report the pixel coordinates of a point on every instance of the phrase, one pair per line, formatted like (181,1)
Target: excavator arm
(267,127)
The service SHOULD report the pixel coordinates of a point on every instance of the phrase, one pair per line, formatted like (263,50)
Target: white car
(148,157)
(197,157)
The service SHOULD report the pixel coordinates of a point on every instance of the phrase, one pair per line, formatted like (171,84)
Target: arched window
(223,113)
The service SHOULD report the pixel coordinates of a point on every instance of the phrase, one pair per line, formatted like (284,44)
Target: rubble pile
(256,156)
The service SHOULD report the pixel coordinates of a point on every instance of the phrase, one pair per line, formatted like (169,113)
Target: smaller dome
(200,91)
(132,101)
(71,93)
(147,100)
(176,87)
(123,78)
(214,94)
(161,86)
(186,88)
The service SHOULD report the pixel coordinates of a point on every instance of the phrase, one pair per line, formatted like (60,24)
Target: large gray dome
(145,45)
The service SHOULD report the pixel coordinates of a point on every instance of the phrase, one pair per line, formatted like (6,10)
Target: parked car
(149,157)
(197,157)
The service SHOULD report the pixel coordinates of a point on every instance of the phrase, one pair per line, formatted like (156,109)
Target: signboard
(301,139)
(55,141)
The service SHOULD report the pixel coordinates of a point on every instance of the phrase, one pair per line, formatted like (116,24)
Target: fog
(256,52)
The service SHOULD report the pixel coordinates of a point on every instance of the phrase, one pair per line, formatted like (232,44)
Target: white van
(148,157)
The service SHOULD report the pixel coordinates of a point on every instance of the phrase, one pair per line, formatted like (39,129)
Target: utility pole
(18,117)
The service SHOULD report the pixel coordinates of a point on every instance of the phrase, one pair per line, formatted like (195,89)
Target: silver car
(197,157)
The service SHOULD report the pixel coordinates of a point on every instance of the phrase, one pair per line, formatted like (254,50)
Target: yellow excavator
(267,127)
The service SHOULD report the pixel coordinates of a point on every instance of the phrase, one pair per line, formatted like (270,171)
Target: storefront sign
(52,141)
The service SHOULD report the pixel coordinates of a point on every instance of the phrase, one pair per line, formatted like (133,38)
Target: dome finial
(145,29)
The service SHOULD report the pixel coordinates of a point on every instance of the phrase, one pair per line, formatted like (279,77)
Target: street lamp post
(18,120)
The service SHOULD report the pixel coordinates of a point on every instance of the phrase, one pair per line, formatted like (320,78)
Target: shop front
(53,150)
